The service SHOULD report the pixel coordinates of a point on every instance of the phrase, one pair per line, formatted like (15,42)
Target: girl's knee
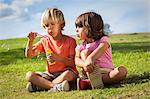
(29,75)
(123,71)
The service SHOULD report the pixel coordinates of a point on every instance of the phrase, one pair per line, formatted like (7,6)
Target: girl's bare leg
(115,75)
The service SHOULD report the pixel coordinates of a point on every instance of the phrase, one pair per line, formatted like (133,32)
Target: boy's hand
(32,35)
(54,57)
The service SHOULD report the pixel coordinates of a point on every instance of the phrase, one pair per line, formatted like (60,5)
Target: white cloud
(16,9)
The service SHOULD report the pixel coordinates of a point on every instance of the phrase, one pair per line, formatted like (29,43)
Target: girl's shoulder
(104,39)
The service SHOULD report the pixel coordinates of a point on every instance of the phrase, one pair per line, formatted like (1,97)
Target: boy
(60,62)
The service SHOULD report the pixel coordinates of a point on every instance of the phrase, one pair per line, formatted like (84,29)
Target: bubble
(3,45)
(8,49)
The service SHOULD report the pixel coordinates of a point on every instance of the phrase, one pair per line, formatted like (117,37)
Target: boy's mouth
(50,33)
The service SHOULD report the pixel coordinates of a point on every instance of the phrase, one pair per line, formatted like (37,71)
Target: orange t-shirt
(64,47)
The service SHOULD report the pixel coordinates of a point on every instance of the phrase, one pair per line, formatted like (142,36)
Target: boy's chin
(50,34)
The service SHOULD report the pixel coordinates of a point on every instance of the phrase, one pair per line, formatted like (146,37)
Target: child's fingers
(32,35)
(89,68)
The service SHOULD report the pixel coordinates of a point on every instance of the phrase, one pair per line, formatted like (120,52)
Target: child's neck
(89,40)
(58,37)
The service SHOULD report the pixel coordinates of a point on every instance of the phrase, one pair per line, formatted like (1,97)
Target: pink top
(104,61)
(64,47)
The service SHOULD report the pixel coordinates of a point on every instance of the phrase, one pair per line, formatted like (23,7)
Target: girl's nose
(76,30)
(77,35)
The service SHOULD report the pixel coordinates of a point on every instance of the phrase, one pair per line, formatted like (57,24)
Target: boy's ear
(62,26)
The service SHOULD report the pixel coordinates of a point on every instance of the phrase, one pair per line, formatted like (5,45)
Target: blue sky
(18,17)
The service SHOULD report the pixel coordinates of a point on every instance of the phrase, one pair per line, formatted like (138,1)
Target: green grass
(131,50)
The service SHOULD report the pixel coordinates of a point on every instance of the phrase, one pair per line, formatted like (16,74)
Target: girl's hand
(32,35)
(89,66)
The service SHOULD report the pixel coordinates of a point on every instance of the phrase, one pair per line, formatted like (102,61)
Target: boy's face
(53,28)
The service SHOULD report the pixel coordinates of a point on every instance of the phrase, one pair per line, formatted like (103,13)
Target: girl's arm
(98,52)
(84,54)
(89,62)
(78,61)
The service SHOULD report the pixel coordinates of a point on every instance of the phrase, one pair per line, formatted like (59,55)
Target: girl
(95,50)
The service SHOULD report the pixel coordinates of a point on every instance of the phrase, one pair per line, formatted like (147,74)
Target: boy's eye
(52,23)
(46,25)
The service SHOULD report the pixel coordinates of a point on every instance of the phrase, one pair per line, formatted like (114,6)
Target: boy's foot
(33,88)
(64,86)
(83,84)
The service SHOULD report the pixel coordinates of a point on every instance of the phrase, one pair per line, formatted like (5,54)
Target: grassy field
(131,50)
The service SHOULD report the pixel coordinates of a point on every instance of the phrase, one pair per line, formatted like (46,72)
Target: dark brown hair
(93,22)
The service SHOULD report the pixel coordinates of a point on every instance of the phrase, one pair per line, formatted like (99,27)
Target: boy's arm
(30,49)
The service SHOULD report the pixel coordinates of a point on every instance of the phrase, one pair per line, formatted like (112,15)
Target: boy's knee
(29,75)
(69,74)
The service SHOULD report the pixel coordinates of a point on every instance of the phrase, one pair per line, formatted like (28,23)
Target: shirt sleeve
(80,47)
(104,39)
(92,47)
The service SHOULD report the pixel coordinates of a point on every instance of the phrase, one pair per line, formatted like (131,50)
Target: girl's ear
(88,32)
(85,30)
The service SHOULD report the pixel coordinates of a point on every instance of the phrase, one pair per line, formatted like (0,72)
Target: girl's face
(53,28)
(81,33)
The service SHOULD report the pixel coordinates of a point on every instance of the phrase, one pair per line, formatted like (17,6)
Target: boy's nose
(49,27)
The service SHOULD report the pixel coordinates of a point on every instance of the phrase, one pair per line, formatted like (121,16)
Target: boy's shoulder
(45,37)
(69,37)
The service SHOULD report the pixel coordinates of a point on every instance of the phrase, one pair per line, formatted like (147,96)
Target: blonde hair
(54,15)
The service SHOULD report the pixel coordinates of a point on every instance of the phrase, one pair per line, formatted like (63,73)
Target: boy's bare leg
(115,76)
(38,80)
(67,75)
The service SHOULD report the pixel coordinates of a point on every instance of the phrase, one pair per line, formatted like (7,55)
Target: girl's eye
(79,25)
